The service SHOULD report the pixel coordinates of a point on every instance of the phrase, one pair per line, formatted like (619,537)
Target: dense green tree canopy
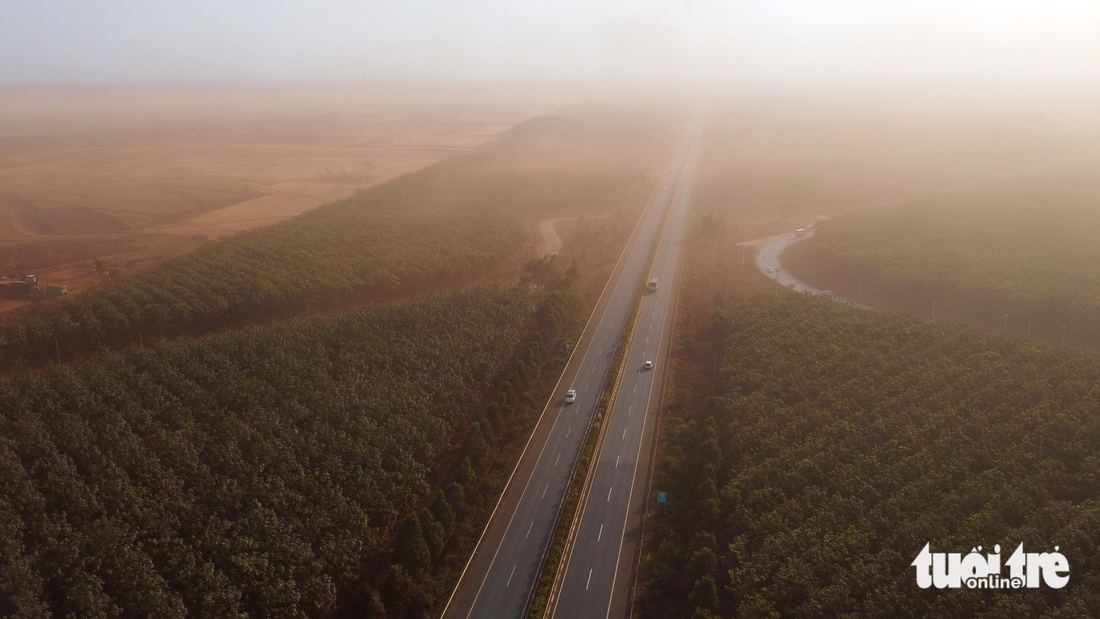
(839,442)
(251,474)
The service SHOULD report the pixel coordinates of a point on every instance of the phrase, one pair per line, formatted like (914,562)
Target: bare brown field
(131,180)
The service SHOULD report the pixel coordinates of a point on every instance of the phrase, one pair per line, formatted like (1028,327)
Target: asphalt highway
(598,569)
(502,588)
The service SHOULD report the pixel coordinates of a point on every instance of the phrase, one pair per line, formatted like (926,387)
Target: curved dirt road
(550,235)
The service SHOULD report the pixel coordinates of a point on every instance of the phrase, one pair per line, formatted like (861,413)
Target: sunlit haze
(58,41)
(568,309)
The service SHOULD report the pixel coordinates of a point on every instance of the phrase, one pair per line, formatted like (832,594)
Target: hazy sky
(214,40)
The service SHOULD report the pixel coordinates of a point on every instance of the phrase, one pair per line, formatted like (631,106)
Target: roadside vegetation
(1018,256)
(812,449)
(283,470)
(452,222)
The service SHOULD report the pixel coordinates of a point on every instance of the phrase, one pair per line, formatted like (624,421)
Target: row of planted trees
(432,545)
(835,443)
(328,466)
(434,229)
(268,472)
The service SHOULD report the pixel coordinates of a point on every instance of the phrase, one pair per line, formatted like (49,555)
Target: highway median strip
(549,581)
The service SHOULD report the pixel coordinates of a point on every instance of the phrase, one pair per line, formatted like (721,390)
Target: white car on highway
(570,396)
(648,364)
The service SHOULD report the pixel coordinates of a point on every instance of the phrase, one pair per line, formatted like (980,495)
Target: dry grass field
(134,177)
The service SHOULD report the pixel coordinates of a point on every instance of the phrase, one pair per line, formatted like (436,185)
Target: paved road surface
(502,588)
(767,260)
(599,569)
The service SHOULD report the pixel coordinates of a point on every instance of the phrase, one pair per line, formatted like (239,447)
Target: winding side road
(767,260)
(550,235)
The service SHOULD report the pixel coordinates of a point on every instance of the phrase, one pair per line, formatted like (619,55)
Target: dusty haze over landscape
(788,40)
(312,308)
(132,176)
(134,132)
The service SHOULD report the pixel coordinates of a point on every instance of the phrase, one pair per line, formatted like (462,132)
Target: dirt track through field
(551,239)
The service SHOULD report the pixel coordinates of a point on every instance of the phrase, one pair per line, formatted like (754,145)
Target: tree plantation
(838,442)
(259,473)
(432,228)
(319,419)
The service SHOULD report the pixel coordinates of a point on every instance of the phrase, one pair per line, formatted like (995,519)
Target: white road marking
(617,460)
(609,494)
(510,576)
(635,388)
(600,536)
(557,460)
(589,579)
(529,529)
(629,410)
(568,431)
(624,434)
